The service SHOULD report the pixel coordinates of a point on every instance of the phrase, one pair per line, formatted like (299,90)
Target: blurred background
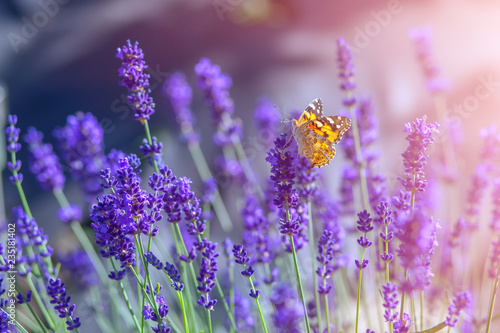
(57,57)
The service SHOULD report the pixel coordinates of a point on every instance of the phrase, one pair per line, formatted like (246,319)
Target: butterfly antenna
(287,120)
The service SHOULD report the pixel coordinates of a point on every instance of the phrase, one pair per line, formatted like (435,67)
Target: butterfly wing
(322,155)
(330,129)
(327,131)
(337,126)
(313,111)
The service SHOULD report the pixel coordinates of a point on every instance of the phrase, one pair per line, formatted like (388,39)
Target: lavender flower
(215,86)
(421,37)
(209,190)
(208,195)
(81,145)
(12,133)
(136,80)
(78,265)
(267,121)
(346,67)
(29,235)
(257,237)
(13,146)
(275,272)
(385,219)
(494,258)
(390,295)
(152,151)
(227,244)
(364,225)
(368,133)
(5,319)
(111,230)
(283,173)
(178,200)
(119,216)
(57,292)
(153,260)
(243,317)
(21,299)
(70,213)
(179,93)
(418,239)
(241,257)
(403,325)
(208,270)
(457,232)
(490,149)
(459,303)
(476,193)
(174,276)
(148,313)
(169,269)
(326,252)
(306,179)
(414,157)
(402,204)
(288,310)
(294,224)
(114,156)
(44,163)
(495,219)
(326,211)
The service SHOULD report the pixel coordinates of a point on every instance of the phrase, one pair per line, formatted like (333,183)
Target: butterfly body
(316,135)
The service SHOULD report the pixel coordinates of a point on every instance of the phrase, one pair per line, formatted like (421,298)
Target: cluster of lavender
(298,268)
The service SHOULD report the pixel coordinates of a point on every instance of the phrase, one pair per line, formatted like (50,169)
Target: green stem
(261,315)
(147,277)
(387,277)
(226,306)
(40,302)
(183,309)
(31,310)
(413,309)
(27,209)
(125,298)
(180,247)
(217,284)
(140,294)
(403,298)
(231,292)
(448,148)
(421,309)
(202,166)
(299,282)
(150,141)
(257,302)
(209,320)
(89,249)
(361,164)
(493,298)
(359,289)
(242,158)
(327,310)
(313,262)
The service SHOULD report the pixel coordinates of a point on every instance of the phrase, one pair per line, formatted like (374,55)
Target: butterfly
(316,135)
